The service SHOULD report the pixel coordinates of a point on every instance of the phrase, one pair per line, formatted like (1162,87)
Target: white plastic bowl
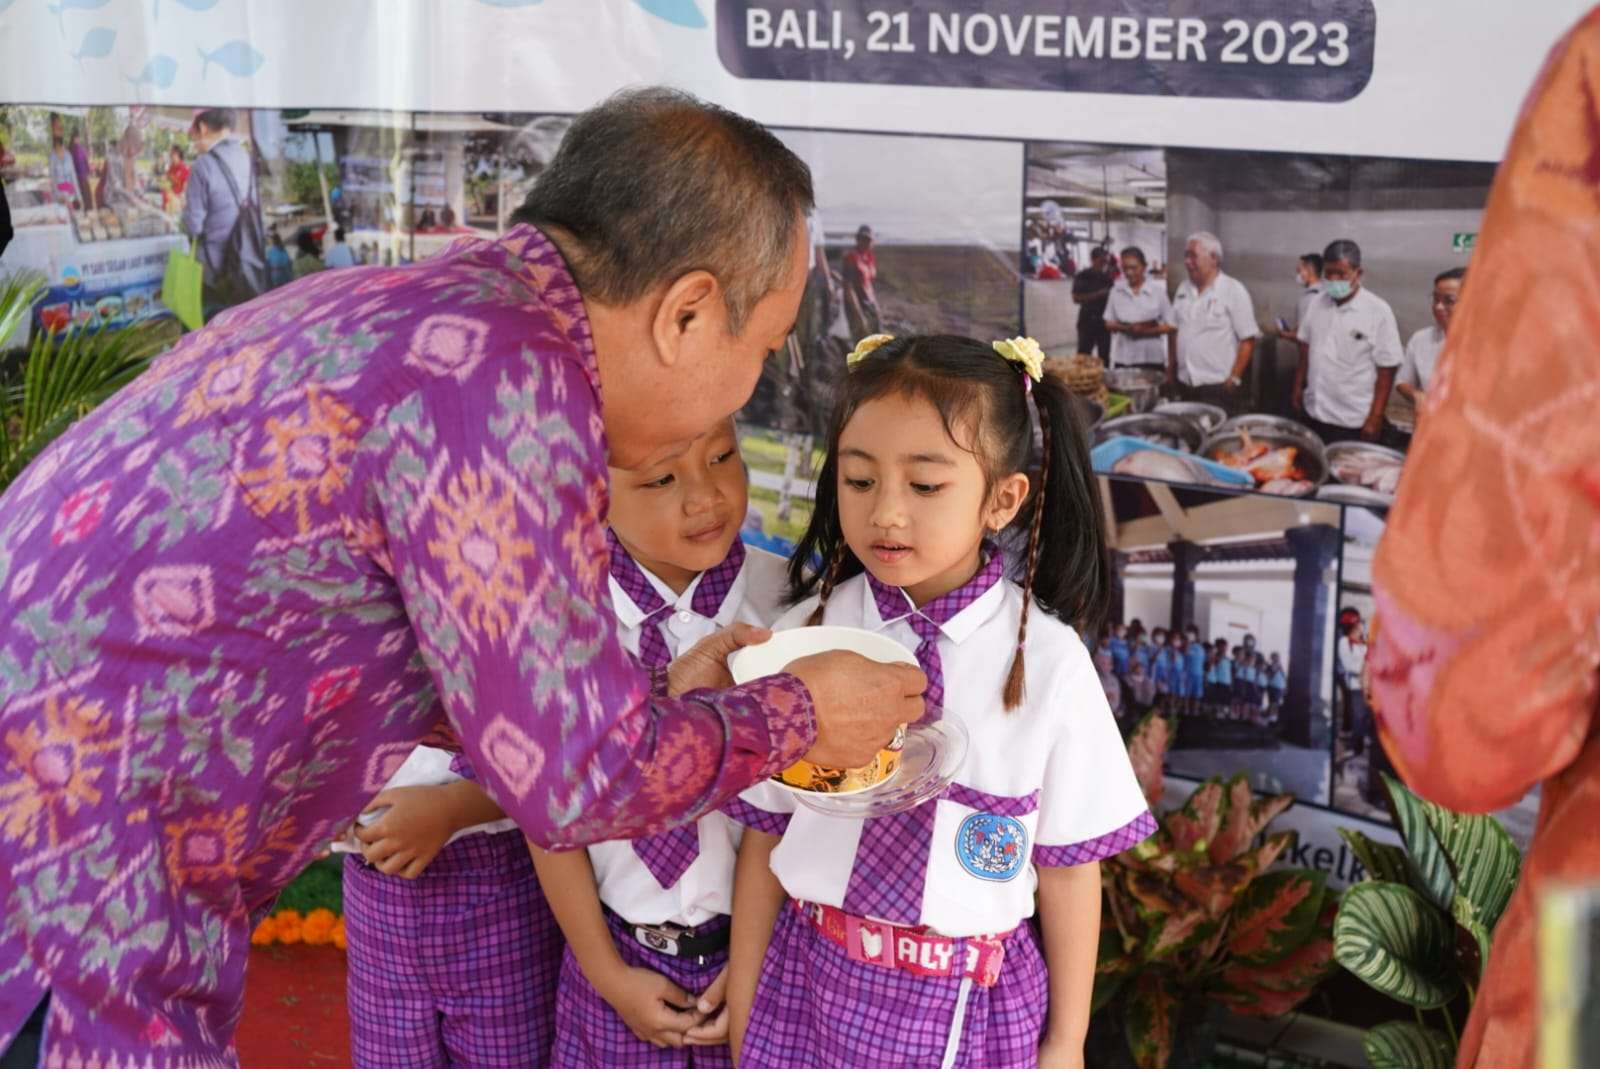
(774,655)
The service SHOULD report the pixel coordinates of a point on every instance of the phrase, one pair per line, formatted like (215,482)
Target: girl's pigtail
(830,577)
(1016,689)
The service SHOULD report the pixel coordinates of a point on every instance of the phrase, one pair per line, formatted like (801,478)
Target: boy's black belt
(674,940)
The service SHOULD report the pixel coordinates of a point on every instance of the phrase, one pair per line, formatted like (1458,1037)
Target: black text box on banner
(1296,50)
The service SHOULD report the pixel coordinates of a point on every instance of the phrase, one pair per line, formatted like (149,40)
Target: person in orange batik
(1487,583)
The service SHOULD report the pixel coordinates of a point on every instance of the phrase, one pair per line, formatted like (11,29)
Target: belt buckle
(661,938)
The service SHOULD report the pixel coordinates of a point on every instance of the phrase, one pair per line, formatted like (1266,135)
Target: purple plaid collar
(895,604)
(707,593)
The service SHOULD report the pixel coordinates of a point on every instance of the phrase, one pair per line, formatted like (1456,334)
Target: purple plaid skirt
(814,1006)
(456,967)
(591,1034)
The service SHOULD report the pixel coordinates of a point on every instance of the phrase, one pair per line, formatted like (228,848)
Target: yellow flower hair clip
(866,346)
(1024,352)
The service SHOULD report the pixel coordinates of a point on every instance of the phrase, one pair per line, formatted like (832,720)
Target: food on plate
(1287,487)
(1264,464)
(1375,471)
(1239,457)
(1152,464)
(109,308)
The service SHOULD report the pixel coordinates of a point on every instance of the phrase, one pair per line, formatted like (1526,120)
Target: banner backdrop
(1422,79)
(969,161)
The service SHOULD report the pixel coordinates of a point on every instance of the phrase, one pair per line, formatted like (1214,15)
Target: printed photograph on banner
(1254,321)
(1222,619)
(364,187)
(910,235)
(1359,762)
(95,196)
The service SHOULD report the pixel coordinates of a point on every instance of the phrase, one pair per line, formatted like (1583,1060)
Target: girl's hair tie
(1026,354)
(866,346)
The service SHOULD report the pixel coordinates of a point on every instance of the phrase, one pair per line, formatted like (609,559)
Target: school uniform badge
(992,847)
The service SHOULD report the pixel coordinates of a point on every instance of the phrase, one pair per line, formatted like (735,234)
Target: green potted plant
(1418,928)
(1194,923)
(62,376)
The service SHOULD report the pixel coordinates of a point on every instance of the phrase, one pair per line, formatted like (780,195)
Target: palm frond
(64,376)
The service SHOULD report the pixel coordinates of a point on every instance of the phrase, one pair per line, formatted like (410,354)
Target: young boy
(646,921)
(453,954)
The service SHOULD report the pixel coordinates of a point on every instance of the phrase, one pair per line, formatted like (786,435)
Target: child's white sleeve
(1091,806)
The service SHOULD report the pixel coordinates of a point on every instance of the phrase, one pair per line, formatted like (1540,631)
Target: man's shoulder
(1232,285)
(1377,305)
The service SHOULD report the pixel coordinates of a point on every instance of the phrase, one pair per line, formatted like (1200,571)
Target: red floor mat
(294,1009)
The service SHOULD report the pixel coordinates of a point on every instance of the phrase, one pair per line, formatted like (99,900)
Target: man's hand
(705,666)
(859,704)
(1372,429)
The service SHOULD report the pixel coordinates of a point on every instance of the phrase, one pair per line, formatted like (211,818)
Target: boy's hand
(654,1008)
(705,665)
(404,840)
(713,1031)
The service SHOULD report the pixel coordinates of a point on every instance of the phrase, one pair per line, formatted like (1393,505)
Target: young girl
(1223,698)
(1195,668)
(904,939)
(1161,668)
(647,921)
(453,954)
(1277,684)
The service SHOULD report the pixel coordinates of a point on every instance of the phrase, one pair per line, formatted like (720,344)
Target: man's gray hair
(655,183)
(1208,242)
(1343,249)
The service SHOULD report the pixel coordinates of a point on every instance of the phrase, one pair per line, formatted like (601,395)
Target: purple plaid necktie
(891,861)
(669,854)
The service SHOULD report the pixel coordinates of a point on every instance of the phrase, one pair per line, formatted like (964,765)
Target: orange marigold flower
(288,925)
(263,934)
(338,933)
(318,927)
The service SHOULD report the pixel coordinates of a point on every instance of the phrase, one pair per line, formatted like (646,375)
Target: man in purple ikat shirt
(239,593)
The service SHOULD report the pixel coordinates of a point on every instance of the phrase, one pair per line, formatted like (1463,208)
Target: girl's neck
(952,578)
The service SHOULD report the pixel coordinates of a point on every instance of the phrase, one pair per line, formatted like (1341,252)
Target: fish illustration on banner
(159,71)
(235,57)
(678,12)
(97,44)
(192,5)
(70,5)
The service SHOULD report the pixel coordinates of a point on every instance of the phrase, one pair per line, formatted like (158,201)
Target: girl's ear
(1005,501)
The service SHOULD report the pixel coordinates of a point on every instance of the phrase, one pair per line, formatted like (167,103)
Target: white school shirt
(1422,356)
(1126,306)
(1210,327)
(705,890)
(1059,753)
(1347,343)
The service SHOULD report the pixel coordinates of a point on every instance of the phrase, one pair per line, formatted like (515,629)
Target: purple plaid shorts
(814,1006)
(590,1034)
(457,967)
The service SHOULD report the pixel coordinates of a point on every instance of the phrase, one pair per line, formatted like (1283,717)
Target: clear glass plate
(933,755)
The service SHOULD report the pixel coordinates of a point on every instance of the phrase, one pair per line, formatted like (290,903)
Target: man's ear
(690,307)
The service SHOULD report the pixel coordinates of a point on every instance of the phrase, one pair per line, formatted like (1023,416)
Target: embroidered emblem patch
(992,847)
